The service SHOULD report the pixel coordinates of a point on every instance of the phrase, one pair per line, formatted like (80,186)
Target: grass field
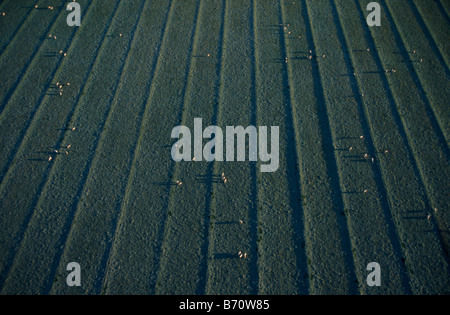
(86,169)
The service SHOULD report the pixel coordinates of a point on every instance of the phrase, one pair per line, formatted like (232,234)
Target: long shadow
(203,269)
(38,160)
(418,84)
(27,64)
(428,35)
(168,183)
(19,26)
(445,243)
(73,209)
(107,253)
(227,223)
(144,113)
(208,179)
(31,118)
(46,174)
(330,158)
(224,256)
(445,14)
(381,188)
(292,161)
(253,207)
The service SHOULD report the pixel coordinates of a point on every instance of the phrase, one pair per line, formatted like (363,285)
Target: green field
(86,173)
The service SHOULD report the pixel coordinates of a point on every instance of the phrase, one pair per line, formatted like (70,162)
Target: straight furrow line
(412,246)
(20,23)
(36,114)
(444,7)
(143,126)
(442,56)
(175,171)
(150,89)
(370,137)
(435,123)
(124,203)
(255,175)
(28,63)
(174,168)
(293,158)
(114,103)
(416,156)
(330,156)
(218,103)
(47,172)
(95,155)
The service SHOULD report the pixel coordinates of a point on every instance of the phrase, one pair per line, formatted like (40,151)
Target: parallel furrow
(425,136)
(12,22)
(120,235)
(329,150)
(116,237)
(402,174)
(9,156)
(293,160)
(429,111)
(228,218)
(82,221)
(13,77)
(437,36)
(388,246)
(46,184)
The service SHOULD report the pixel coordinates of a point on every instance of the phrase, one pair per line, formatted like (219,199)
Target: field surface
(86,173)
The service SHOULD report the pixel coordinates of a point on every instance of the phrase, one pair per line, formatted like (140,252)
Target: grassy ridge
(122,253)
(329,263)
(99,208)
